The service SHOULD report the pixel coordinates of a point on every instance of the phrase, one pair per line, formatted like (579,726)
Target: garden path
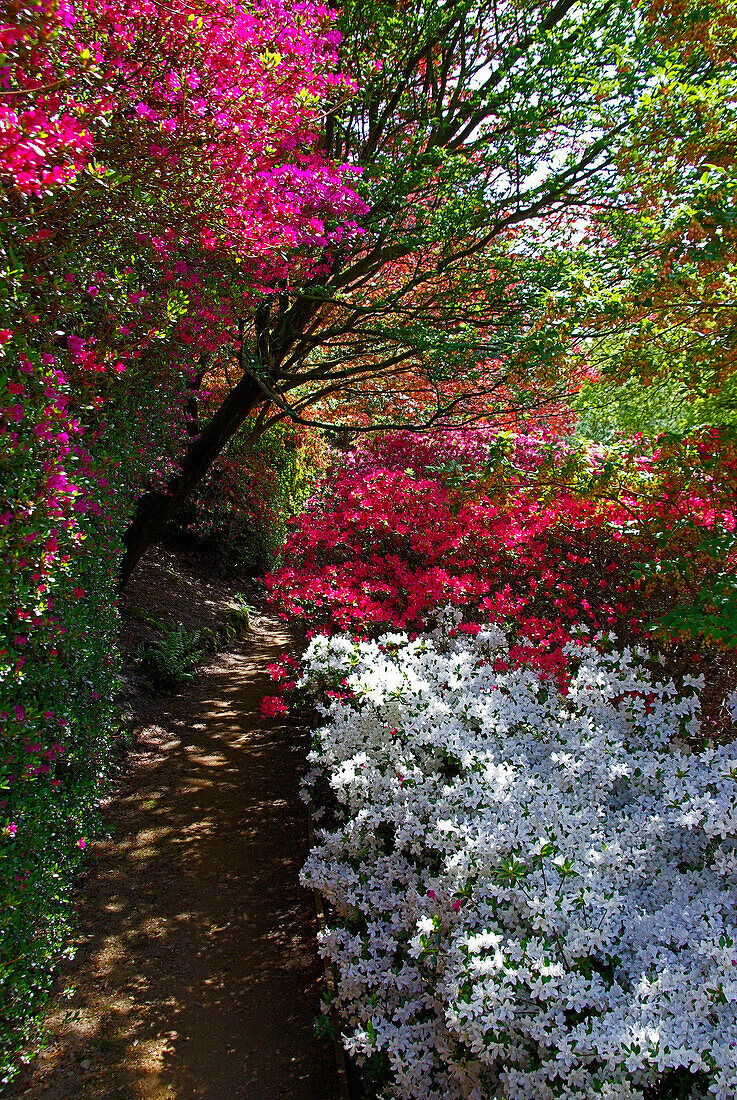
(197,973)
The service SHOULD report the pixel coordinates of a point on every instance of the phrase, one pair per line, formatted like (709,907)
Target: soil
(196,973)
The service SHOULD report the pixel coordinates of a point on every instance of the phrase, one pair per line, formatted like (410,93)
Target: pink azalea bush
(57,672)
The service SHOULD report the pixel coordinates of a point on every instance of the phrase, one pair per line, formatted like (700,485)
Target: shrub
(238,617)
(250,493)
(58,675)
(533,889)
(537,532)
(527,839)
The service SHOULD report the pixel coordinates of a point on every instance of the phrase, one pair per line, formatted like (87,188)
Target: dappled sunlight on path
(199,975)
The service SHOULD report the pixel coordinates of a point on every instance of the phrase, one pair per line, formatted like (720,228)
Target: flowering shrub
(527,849)
(45,141)
(57,675)
(533,890)
(532,532)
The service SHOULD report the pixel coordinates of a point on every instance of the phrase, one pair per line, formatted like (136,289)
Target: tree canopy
(484,135)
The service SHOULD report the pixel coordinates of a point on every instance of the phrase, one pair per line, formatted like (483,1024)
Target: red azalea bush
(537,533)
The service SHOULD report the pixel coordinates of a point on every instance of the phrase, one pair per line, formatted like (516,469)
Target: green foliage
(150,620)
(607,409)
(679,1084)
(710,618)
(662,256)
(174,659)
(252,490)
(238,617)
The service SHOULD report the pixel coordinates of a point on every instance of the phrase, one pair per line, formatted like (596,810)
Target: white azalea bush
(534,891)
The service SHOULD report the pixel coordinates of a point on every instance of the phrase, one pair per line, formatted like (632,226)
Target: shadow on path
(197,974)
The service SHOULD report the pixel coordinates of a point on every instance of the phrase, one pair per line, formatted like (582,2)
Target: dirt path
(197,975)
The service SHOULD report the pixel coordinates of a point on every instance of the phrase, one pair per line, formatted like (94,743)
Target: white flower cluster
(534,893)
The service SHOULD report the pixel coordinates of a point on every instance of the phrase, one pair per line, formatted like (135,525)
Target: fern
(175,659)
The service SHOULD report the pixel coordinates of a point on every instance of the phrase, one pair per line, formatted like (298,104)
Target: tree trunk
(191,408)
(154,510)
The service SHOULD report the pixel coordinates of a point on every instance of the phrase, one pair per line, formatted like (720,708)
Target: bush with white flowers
(533,889)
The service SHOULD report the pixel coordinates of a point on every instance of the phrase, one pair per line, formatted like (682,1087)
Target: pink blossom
(272,705)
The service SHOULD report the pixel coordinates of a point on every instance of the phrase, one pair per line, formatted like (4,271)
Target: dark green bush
(244,503)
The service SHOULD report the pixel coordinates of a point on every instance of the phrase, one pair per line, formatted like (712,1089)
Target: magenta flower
(271,705)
